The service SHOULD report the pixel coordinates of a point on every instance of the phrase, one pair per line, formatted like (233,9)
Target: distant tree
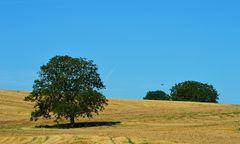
(156,95)
(194,91)
(67,88)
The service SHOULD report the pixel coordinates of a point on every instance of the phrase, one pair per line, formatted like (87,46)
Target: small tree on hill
(194,91)
(156,95)
(67,87)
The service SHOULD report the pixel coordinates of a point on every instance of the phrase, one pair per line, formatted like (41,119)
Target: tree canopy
(156,95)
(67,88)
(194,91)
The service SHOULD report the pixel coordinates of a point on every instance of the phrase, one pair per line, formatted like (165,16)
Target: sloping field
(124,121)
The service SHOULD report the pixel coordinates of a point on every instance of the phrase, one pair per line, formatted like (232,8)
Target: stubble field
(124,121)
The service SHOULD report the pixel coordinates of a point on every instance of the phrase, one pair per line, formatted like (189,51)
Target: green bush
(156,95)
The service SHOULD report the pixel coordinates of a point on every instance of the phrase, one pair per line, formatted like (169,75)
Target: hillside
(124,121)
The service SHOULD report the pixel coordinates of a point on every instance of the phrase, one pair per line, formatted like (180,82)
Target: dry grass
(140,122)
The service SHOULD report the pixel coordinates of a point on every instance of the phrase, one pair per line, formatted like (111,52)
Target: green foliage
(194,91)
(67,87)
(157,95)
(130,141)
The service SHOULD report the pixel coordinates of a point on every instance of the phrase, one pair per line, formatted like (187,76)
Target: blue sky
(138,45)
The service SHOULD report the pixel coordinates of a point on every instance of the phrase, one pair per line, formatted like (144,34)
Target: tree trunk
(72,121)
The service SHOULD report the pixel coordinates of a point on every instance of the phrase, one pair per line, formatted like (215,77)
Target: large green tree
(194,91)
(67,88)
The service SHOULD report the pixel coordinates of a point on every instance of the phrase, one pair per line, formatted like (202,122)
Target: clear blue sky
(137,44)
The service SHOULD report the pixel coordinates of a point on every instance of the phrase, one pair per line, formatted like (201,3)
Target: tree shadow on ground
(79,125)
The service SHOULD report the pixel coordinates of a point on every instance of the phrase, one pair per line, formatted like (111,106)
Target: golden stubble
(141,121)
